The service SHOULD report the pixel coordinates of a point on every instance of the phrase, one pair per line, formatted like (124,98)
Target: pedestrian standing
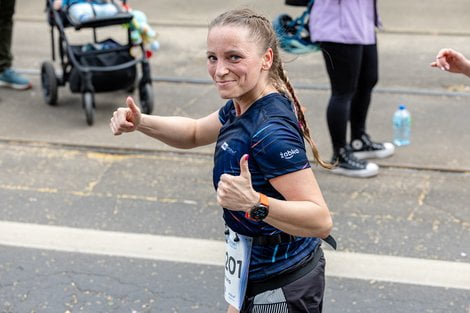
(345,30)
(273,208)
(8,77)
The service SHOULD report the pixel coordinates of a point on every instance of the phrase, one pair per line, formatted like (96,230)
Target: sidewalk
(440,123)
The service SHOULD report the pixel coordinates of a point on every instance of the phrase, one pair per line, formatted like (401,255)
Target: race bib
(237,261)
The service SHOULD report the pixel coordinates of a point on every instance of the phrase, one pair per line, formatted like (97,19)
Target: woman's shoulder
(276,116)
(277,104)
(277,108)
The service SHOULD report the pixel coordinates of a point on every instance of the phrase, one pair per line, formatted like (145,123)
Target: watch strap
(263,200)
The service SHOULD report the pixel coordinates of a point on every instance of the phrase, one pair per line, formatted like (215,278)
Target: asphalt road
(167,194)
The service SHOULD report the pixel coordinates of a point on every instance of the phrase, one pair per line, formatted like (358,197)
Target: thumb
(133,107)
(244,169)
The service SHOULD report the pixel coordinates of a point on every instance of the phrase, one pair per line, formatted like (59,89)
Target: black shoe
(364,148)
(347,164)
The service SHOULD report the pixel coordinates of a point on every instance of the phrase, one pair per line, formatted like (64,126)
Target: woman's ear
(267,60)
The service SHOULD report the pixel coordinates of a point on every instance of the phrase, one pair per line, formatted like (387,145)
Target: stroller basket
(108,55)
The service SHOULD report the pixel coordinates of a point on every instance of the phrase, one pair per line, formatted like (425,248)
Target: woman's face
(235,63)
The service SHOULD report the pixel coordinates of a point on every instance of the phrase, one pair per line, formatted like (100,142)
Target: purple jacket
(344,21)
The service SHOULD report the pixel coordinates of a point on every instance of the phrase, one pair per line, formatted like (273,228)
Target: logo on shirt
(289,154)
(227,148)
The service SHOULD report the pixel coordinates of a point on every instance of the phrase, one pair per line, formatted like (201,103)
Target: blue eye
(235,58)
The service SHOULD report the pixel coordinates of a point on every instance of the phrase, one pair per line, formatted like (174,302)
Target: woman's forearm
(467,68)
(299,218)
(181,132)
(178,132)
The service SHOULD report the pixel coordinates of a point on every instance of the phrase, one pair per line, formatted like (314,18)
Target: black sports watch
(260,210)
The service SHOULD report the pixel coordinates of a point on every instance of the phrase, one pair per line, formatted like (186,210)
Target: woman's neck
(242,104)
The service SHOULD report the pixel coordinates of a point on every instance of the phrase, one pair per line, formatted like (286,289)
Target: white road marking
(211,252)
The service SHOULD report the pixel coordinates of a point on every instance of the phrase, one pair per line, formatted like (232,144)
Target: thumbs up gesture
(125,120)
(236,192)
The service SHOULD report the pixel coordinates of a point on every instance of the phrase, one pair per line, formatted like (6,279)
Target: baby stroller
(100,66)
(294,34)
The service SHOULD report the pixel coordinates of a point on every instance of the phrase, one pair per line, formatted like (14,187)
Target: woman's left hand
(236,192)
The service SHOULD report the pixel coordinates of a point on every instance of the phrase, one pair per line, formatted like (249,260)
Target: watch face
(259,212)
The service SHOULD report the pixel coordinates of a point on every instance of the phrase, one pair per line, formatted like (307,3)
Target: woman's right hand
(126,120)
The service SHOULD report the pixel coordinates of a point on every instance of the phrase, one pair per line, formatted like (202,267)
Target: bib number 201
(233,266)
(237,259)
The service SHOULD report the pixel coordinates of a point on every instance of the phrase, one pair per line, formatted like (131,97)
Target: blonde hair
(261,30)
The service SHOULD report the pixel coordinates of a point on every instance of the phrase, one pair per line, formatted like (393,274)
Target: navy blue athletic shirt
(269,132)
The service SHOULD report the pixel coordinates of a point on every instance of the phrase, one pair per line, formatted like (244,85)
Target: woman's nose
(221,69)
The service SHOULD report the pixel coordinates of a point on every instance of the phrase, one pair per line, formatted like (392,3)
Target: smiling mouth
(223,83)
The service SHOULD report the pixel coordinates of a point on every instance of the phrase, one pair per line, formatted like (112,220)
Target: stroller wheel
(146,98)
(131,89)
(88,102)
(49,83)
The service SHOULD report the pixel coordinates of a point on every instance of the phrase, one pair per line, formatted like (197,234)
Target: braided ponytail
(301,118)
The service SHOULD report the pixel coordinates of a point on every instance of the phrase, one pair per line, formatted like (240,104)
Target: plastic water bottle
(401,126)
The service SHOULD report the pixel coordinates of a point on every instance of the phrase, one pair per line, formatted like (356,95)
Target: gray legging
(353,72)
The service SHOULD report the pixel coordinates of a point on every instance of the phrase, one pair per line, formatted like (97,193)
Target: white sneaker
(347,164)
(364,148)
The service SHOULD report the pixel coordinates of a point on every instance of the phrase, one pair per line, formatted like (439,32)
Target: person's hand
(125,120)
(236,192)
(451,61)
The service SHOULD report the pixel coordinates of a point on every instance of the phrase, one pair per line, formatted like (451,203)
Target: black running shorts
(304,295)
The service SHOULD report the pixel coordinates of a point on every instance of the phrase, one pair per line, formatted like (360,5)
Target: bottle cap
(402,107)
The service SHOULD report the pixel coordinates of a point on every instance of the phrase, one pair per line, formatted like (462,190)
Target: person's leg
(306,294)
(368,77)
(303,295)
(363,147)
(7,9)
(8,77)
(342,64)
